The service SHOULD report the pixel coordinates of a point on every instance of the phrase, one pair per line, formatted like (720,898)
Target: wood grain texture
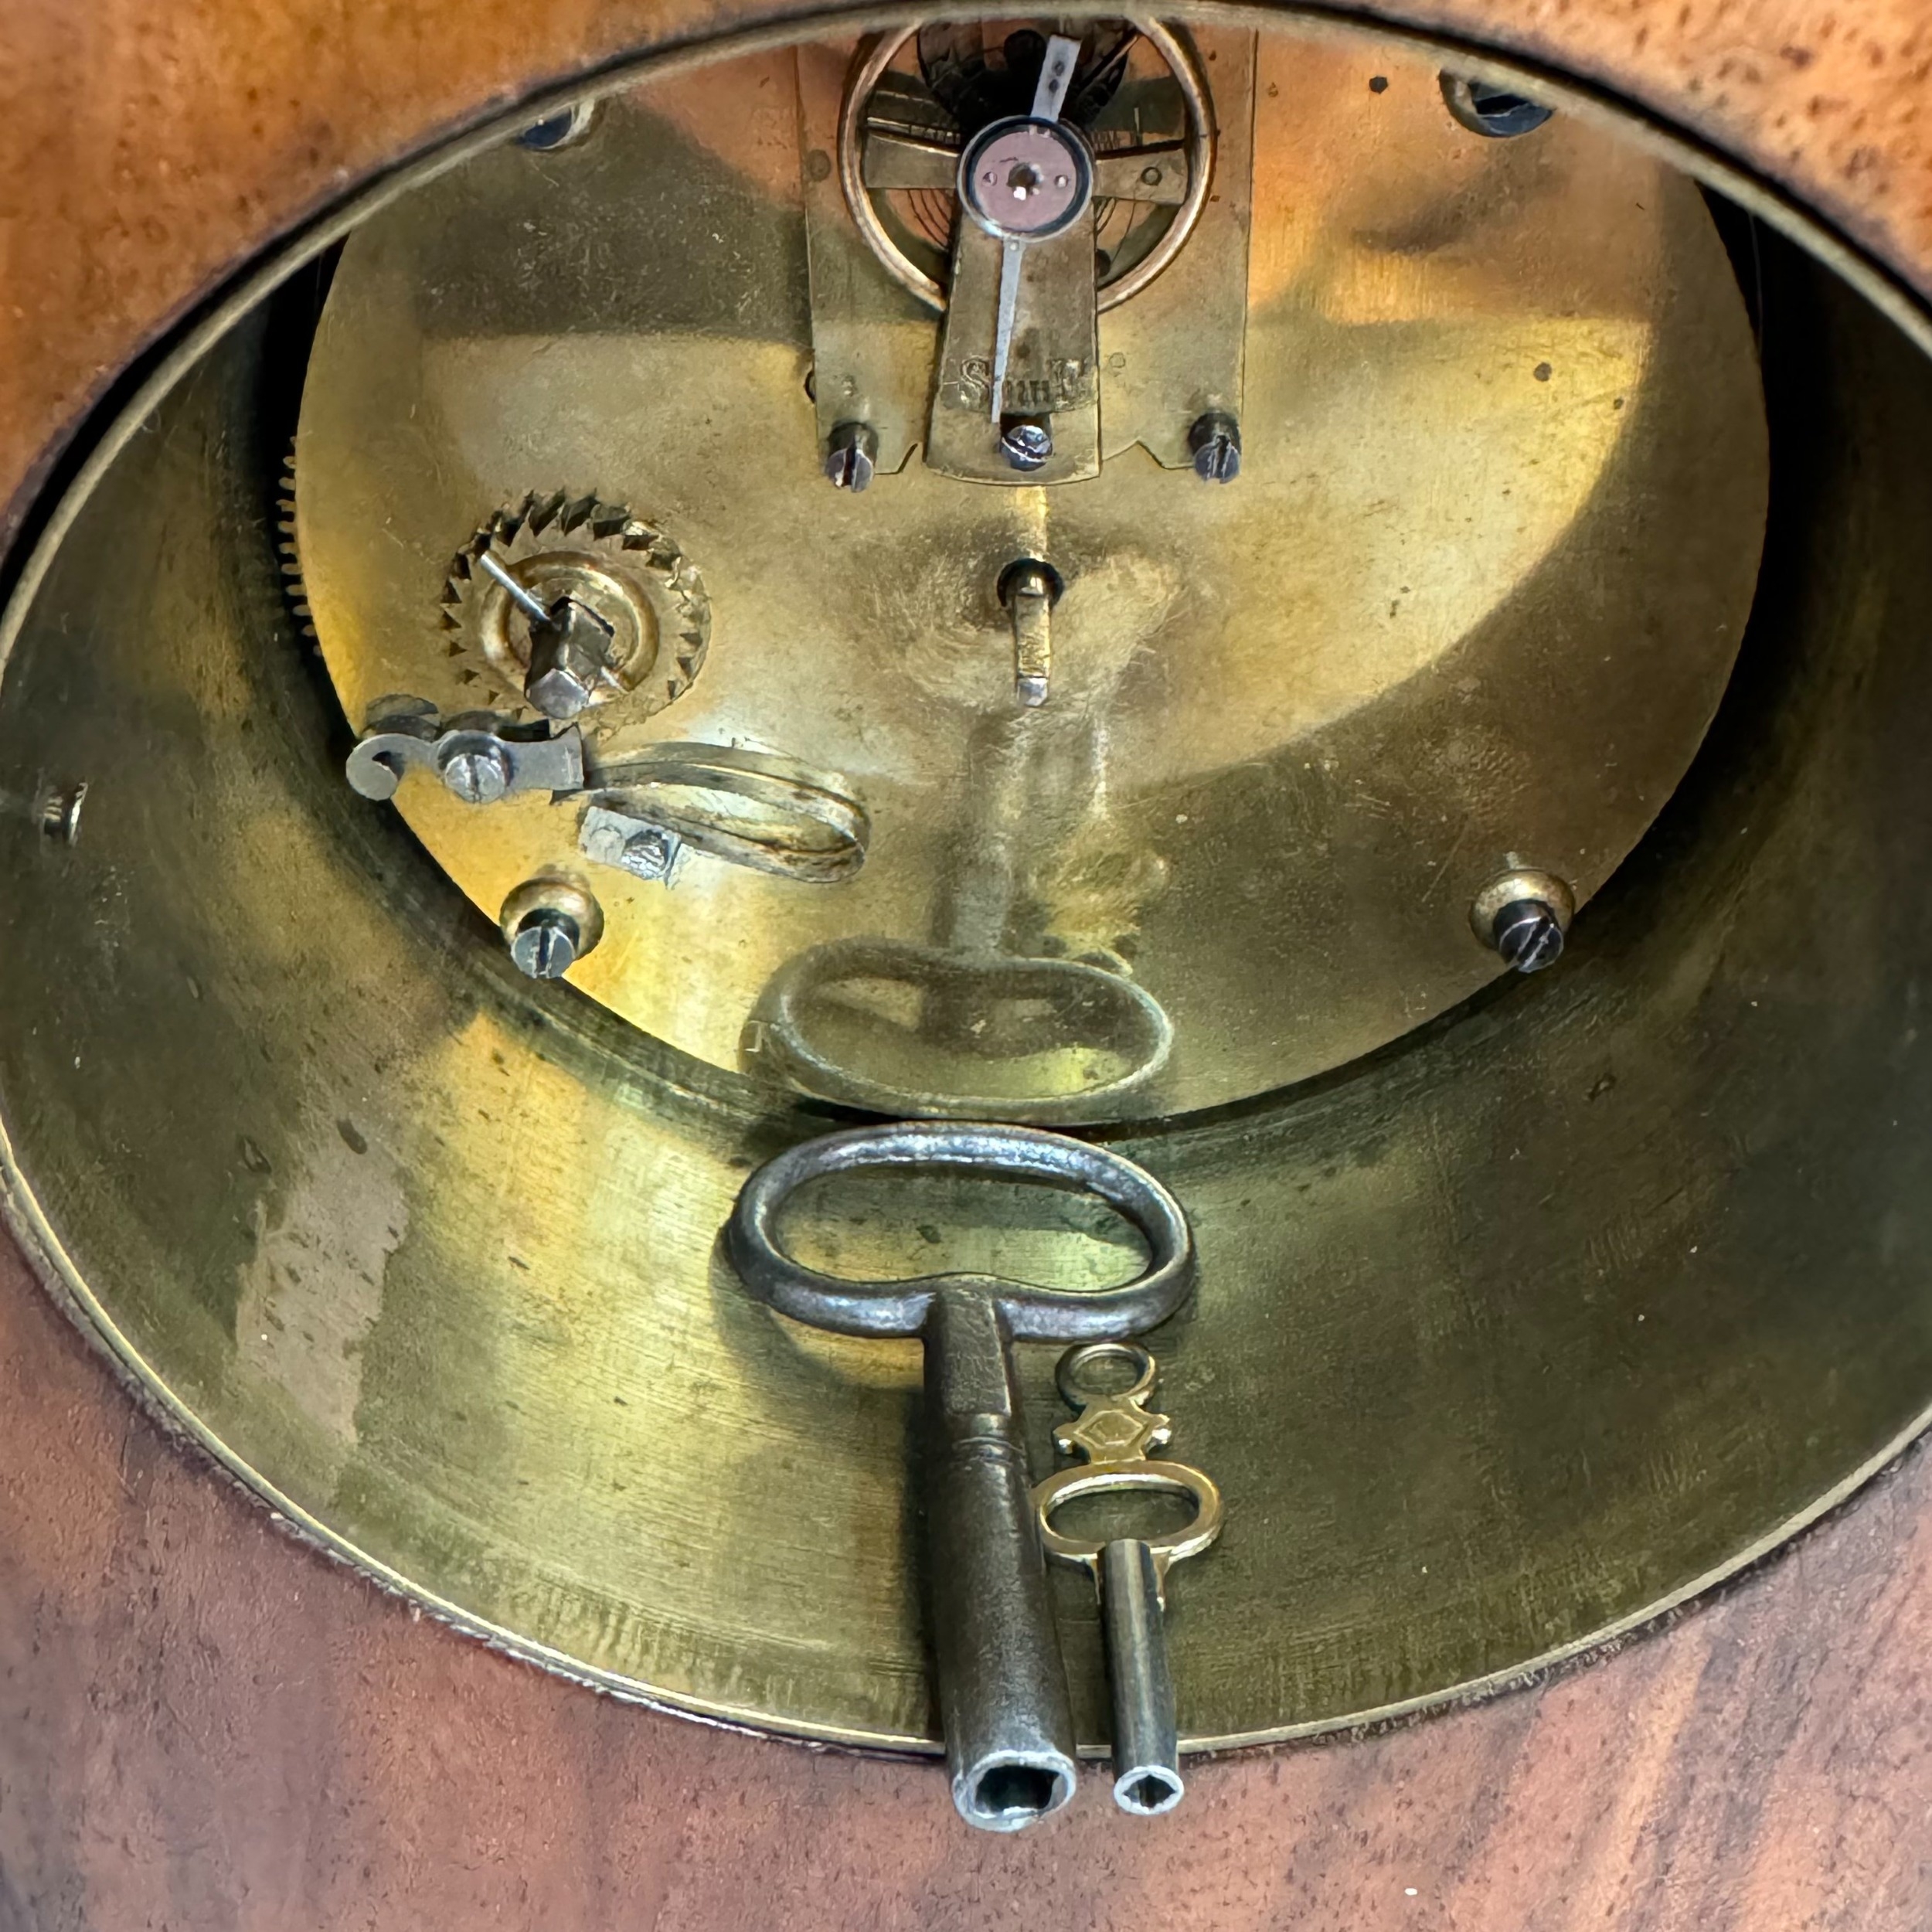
(205,1726)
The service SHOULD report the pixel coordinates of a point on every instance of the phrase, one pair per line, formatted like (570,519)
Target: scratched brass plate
(1538,1319)
(1476,592)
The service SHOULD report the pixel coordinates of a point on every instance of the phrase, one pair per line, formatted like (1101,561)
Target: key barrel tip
(1148,1790)
(1008,1792)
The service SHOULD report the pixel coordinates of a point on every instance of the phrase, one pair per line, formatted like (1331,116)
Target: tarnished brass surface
(1471,602)
(1506,1336)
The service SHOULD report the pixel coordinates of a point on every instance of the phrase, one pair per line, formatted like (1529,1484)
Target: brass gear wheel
(626,571)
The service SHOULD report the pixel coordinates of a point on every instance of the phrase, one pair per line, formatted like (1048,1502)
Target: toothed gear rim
(293,587)
(629,573)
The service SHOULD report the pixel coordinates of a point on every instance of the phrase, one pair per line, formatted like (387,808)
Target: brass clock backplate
(1472,600)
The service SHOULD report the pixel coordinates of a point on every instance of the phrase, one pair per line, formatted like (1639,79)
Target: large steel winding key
(1002,1688)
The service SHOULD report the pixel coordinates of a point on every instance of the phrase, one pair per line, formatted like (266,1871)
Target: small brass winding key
(1114,1433)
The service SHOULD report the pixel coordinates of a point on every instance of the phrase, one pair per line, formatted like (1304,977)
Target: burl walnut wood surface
(205,1726)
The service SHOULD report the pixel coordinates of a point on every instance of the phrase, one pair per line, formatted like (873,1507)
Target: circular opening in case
(1454,508)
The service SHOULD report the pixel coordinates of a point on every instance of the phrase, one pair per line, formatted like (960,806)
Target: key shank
(1002,1688)
(1147,1754)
